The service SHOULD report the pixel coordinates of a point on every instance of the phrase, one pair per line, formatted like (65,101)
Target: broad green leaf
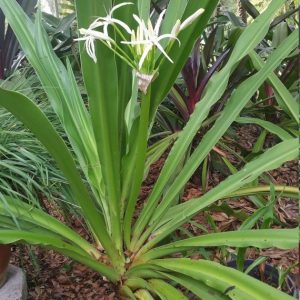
(33,118)
(137,164)
(166,291)
(175,11)
(143,294)
(197,287)
(103,100)
(16,236)
(144,9)
(227,280)
(25,212)
(132,109)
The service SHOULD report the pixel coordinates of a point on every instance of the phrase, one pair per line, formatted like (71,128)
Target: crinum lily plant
(128,66)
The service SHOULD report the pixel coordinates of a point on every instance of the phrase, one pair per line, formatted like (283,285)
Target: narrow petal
(150,29)
(159,21)
(97,23)
(141,24)
(81,39)
(163,52)
(144,56)
(145,42)
(176,28)
(95,34)
(120,5)
(122,24)
(90,49)
(168,36)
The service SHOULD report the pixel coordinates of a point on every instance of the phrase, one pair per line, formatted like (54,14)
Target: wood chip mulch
(52,276)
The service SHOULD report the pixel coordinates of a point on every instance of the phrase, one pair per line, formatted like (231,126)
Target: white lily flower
(152,38)
(89,37)
(110,20)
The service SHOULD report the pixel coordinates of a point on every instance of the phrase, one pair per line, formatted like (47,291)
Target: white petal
(150,29)
(168,36)
(90,49)
(95,34)
(122,24)
(159,21)
(163,52)
(176,28)
(81,39)
(191,19)
(144,56)
(145,42)
(97,23)
(142,25)
(120,5)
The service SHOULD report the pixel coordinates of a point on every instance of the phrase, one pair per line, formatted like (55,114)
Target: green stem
(137,165)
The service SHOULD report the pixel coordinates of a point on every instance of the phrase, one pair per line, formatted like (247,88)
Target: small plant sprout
(144,42)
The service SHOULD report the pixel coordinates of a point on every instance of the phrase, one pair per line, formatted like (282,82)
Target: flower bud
(191,19)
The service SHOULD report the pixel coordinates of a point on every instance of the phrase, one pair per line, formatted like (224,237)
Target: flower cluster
(144,42)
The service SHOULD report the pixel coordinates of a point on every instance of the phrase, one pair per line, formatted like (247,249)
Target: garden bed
(56,277)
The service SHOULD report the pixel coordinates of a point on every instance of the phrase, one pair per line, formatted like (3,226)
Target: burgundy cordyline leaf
(269,93)
(196,59)
(208,75)
(184,113)
(189,79)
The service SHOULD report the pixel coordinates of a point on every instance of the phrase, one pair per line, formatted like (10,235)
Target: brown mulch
(55,277)
(51,276)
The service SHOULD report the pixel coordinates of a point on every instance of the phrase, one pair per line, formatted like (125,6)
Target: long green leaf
(236,103)
(16,236)
(275,129)
(33,118)
(101,81)
(264,238)
(215,89)
(283,96)
(196,287)
(232,282)
(271,159)
(166,291)
(58,83)
(144,9)
(25,212)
